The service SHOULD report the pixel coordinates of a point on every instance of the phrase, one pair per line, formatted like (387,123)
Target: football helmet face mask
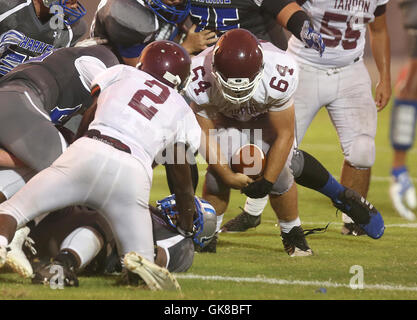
(169,13)
(71,13)
(237,65)
(204,223)
(168,62)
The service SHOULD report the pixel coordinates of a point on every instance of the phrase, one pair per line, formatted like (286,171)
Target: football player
(263,18)
(138,114)
(234,88)
(41,96)
(354,115)
(340,81)
(29,28)
(86,243)
(129,25)
(403,120)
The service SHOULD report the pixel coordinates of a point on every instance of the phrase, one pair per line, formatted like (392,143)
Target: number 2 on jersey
(137,104)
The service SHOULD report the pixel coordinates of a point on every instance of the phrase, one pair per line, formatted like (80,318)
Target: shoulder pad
(280,78)
(201,79)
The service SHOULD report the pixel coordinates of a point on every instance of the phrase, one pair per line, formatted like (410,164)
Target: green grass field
(253,265)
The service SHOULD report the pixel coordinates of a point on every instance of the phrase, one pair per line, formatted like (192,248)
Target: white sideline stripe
(328,284)
(324,223)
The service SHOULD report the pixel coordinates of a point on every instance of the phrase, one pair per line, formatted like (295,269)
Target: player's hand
(382,94)
(198,41)
(258,189)
(237,180)
(312,39)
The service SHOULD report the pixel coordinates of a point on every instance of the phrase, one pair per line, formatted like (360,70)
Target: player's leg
(230,139)
(218,195)
(69,238)
(125,206)
(284,202)
(402,135)
(52,188)
(354,116)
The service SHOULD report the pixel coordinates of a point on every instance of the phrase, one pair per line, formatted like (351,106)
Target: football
(250,160)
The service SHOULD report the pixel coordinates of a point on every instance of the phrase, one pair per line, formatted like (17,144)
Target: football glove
(312,39)
(258,189)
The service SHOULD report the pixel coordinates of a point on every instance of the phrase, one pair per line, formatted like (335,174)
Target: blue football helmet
(170,14)
(70,15)
(204,224)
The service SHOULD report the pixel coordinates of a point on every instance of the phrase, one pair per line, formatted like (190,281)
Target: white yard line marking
(338,224)
(324,284)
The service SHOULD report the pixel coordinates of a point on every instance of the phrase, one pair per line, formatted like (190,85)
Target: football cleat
(16,258)
(403,194)
(55,273)
(295,243)
(241,223)
(352,229)
(156,278)
(361,212)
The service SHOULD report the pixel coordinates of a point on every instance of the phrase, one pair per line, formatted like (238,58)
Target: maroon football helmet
(238,65)
(168,62)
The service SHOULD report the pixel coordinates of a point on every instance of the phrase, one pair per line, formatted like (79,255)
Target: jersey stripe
(15,9)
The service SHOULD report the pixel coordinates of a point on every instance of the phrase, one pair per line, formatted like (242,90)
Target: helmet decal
(71,15)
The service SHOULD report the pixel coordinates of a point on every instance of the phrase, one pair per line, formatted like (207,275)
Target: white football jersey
(342,24)
(274,93)
(143,113)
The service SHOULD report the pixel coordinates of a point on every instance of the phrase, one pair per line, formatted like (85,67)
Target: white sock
(255,206)
(3,241)
(219,222)
(286,226)
(346,218)
(85,243)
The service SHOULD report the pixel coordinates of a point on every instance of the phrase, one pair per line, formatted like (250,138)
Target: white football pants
(97,175)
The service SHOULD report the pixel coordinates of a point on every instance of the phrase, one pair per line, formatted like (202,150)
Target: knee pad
(403,124)
(297,163)
(284,182)
(362,152)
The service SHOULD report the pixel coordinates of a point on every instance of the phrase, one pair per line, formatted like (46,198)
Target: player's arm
(180,176)
(292,17)
(8,160)
(380,45)
(87,118)
(210,150)
(282,123)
